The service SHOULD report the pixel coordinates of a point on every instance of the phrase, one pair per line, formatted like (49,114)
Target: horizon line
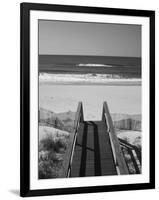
(88,55)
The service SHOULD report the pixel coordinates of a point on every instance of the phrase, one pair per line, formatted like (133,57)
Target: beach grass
(53,150)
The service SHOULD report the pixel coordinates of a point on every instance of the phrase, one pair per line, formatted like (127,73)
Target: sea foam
(84,78)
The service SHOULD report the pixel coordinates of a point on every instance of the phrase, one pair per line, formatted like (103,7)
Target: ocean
(94,66)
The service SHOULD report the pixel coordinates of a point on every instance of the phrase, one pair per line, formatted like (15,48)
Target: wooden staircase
(96,150)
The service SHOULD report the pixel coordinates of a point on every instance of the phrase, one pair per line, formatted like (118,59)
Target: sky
(94,39)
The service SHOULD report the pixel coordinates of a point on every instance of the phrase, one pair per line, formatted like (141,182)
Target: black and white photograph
(89,99)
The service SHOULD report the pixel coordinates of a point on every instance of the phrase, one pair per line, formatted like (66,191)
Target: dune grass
(52,148)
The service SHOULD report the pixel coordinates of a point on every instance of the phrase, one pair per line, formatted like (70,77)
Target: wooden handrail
(135,148)
(78,118)
(134,153)
(117,152)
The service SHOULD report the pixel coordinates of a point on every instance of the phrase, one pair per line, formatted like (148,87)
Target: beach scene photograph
(90,105)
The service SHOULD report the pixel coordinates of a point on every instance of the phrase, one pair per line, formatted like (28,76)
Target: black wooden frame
(25,9)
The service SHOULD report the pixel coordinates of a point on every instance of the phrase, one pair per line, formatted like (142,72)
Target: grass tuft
(51,150)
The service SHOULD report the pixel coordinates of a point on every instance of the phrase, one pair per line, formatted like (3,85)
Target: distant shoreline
(84,84)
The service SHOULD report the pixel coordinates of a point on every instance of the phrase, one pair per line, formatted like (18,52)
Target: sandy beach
(61,98)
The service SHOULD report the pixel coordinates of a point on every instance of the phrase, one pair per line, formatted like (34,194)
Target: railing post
(81,112)
(103,113)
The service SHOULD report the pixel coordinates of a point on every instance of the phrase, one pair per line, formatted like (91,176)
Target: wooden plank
(93,155)
(78,165)
(107,162)
(90,163)
(90,140)
(75,168)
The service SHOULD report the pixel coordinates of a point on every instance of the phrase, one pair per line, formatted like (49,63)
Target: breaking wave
(84,78)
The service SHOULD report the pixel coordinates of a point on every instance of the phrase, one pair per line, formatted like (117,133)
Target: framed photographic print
(87,99)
